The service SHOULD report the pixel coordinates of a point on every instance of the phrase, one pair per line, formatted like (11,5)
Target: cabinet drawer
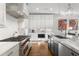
(14,51)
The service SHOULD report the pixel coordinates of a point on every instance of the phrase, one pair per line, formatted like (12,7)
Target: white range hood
(18,10)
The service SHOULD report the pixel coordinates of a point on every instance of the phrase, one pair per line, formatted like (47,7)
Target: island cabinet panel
(14,51)
(65,51)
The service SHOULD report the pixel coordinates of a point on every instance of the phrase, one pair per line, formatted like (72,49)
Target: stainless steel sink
(61,37)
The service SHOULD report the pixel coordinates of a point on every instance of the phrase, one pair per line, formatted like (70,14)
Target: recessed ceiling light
(37,8)
(51,9)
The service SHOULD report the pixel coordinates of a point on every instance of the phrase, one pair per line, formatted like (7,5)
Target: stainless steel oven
(41,35)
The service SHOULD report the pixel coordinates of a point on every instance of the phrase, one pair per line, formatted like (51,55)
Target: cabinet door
(64,51)
(55,48)
(52,45)
(13,51)
(2,14)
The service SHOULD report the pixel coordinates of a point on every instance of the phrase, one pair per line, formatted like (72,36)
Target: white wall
(11,27)
(55,23)
(47,22)
(41,21)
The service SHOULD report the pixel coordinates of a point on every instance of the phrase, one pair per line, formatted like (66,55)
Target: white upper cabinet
(18,10)
(2,15)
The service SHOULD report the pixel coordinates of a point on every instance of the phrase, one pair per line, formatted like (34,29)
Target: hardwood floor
(40,49)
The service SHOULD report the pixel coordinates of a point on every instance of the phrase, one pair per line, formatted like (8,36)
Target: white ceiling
(56,7)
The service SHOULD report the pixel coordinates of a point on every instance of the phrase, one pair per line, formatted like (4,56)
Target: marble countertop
(15,39)
(5,46)
(72,44)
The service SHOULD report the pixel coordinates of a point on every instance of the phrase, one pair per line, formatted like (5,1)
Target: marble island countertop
(5,46)
(72,44)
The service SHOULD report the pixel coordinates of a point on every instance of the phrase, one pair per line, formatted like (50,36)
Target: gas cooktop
(16,39)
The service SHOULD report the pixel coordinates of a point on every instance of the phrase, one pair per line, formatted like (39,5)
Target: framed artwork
(73,23)
(62,24)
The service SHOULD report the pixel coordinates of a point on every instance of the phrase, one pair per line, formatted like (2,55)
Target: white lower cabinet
(65,51)
(14,51)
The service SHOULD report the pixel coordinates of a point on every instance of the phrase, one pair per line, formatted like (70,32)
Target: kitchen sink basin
(61,37)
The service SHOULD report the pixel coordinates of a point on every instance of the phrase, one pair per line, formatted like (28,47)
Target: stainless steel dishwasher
(51,44)
(55,48)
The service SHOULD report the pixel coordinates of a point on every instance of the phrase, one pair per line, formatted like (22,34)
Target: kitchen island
(67,47)
(24,43)
(9,48)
